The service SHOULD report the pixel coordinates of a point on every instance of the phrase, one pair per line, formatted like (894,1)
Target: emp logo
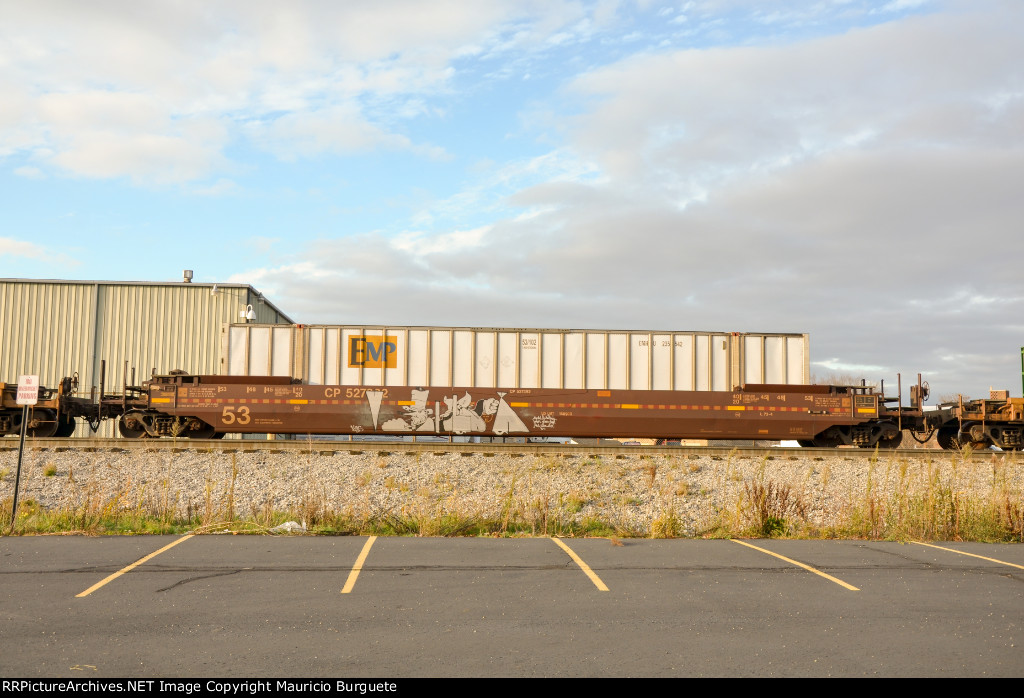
(372,352)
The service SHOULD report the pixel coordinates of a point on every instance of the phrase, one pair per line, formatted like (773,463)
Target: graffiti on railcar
(452,413)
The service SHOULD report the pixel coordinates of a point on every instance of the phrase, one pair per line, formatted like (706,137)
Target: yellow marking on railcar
(739,408)
(160,399)
(629,407)
(866,410)
(298,402)
(406,402)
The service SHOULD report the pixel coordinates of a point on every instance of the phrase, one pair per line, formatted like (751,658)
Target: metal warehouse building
(55,328)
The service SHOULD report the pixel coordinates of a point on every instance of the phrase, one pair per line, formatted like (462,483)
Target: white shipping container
(514,358)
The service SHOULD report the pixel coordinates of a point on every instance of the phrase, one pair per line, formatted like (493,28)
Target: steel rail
(122,445)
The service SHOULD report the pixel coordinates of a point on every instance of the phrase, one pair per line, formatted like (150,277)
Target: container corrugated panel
(516,358)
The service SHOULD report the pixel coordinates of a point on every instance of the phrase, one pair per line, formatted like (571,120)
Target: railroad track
(120,445)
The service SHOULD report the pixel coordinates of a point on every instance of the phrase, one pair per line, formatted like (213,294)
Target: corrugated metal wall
(56,328)
(45,329)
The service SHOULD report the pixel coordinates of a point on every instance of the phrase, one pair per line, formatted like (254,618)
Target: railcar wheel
(947,439)
(46,424)
(131,427)
(805,443)
(65,427)
(199,429)
(893,441)
(827,441)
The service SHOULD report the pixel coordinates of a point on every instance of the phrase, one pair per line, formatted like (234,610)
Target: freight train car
(53,414)
(997,421)
(210,406)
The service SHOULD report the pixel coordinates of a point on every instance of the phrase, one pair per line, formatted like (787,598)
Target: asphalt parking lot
(258,606)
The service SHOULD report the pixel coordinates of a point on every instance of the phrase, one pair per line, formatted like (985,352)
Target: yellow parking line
(354,574)
(961,552)
(132,566)
(800,564)
(582,565)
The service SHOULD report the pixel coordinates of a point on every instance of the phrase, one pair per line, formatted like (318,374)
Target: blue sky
(845,168)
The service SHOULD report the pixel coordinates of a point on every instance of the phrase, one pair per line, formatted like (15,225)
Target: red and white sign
(28,390)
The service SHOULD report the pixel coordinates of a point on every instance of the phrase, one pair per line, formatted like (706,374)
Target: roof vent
(188,276)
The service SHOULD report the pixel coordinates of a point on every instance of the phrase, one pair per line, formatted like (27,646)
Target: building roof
(183,284)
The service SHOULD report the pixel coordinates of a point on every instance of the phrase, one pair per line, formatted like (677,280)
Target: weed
(573,503)
(667,525)
(768,506)
(651,470)
(1012,515)
(50,470)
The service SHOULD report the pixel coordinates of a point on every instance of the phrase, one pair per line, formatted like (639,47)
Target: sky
(851,169)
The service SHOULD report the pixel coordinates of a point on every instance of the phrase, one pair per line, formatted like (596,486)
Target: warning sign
(28,390)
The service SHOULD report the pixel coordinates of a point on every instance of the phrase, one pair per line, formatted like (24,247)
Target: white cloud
(109,90)
(9,247)
(341,130)
(901,85)
(29,172)
(222,187)
(421,244)
(156,158)
(21,249)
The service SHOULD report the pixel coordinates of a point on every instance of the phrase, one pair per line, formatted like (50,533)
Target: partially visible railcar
(997,421)
(53,414)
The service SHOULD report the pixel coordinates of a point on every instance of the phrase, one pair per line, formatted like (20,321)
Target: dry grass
(771,509)
(666,497)
(935,504)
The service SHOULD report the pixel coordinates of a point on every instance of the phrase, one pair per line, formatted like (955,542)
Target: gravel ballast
(633,494)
